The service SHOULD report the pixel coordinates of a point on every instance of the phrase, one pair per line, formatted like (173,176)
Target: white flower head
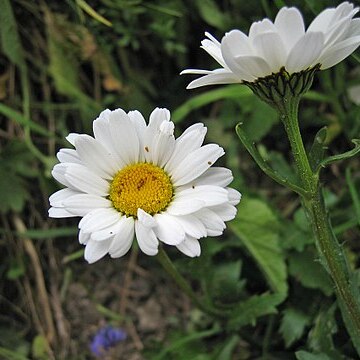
(136,180)
(281,45)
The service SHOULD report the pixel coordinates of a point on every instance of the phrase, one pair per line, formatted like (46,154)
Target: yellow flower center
(141,185)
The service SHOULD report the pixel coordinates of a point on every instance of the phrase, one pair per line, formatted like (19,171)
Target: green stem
(331,253)
(170,268)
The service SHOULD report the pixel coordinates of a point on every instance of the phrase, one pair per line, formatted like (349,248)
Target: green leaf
(305,355)
(90,11)
(39,348)
(247,312)
(229,92)
(317,151)
(13,193)
(293,324)
(260,120)
(321,335)
(346,155)
(308,271)
(258,229)
(10,39)
(7,354)
(211,13)
(225,285)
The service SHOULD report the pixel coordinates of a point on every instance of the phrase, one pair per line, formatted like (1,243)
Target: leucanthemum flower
(133,179)
(281,46)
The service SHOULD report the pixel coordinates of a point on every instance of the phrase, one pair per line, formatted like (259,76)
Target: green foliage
(293,324)
(64,62)
(258,229)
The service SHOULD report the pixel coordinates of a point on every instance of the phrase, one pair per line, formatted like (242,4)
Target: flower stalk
(331,253)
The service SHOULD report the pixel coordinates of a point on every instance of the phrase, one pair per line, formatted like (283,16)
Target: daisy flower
(281,46)
(136,180)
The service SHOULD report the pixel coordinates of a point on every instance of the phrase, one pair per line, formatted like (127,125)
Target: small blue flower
(106,338)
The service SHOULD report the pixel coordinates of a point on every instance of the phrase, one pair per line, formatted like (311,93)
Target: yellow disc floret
(143,186)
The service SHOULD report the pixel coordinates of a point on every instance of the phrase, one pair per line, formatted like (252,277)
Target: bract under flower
(133,179)
(281,45)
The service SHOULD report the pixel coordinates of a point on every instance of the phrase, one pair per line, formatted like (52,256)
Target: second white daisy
(133,179)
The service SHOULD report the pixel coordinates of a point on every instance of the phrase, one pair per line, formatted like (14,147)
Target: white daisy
(283,45)
(133,179)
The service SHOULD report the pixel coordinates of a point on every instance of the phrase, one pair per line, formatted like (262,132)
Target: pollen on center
(141,185)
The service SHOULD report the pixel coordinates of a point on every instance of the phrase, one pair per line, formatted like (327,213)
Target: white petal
(124,136)
(226,212)
(55,212)
(68,156)
(218,77)
(184,206)
(71,138)
(238,42)
(146,239)
(83,237)
(145,218)
(110,231)
(95,250)
(58,173)
(260,27)
(229,54)
(192,226)
(213,222)
(306,52)
(96,157)
(189,141)
(57,198)
(290,25)
(339,52)
(211,195)
(196,163)
(253,65)
(81,204)
(213,49)
(272,49)
(234,196)
(218,176)
(322,21)
(83,179)
(140,127)
(163,144)
(101,127)
(168,229)
(99,219)
(122,241)
(190,247)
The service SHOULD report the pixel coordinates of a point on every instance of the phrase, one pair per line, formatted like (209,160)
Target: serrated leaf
(304,355)
(247,312)
(293,324)
(321,335)
(305,268)
(258,229)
